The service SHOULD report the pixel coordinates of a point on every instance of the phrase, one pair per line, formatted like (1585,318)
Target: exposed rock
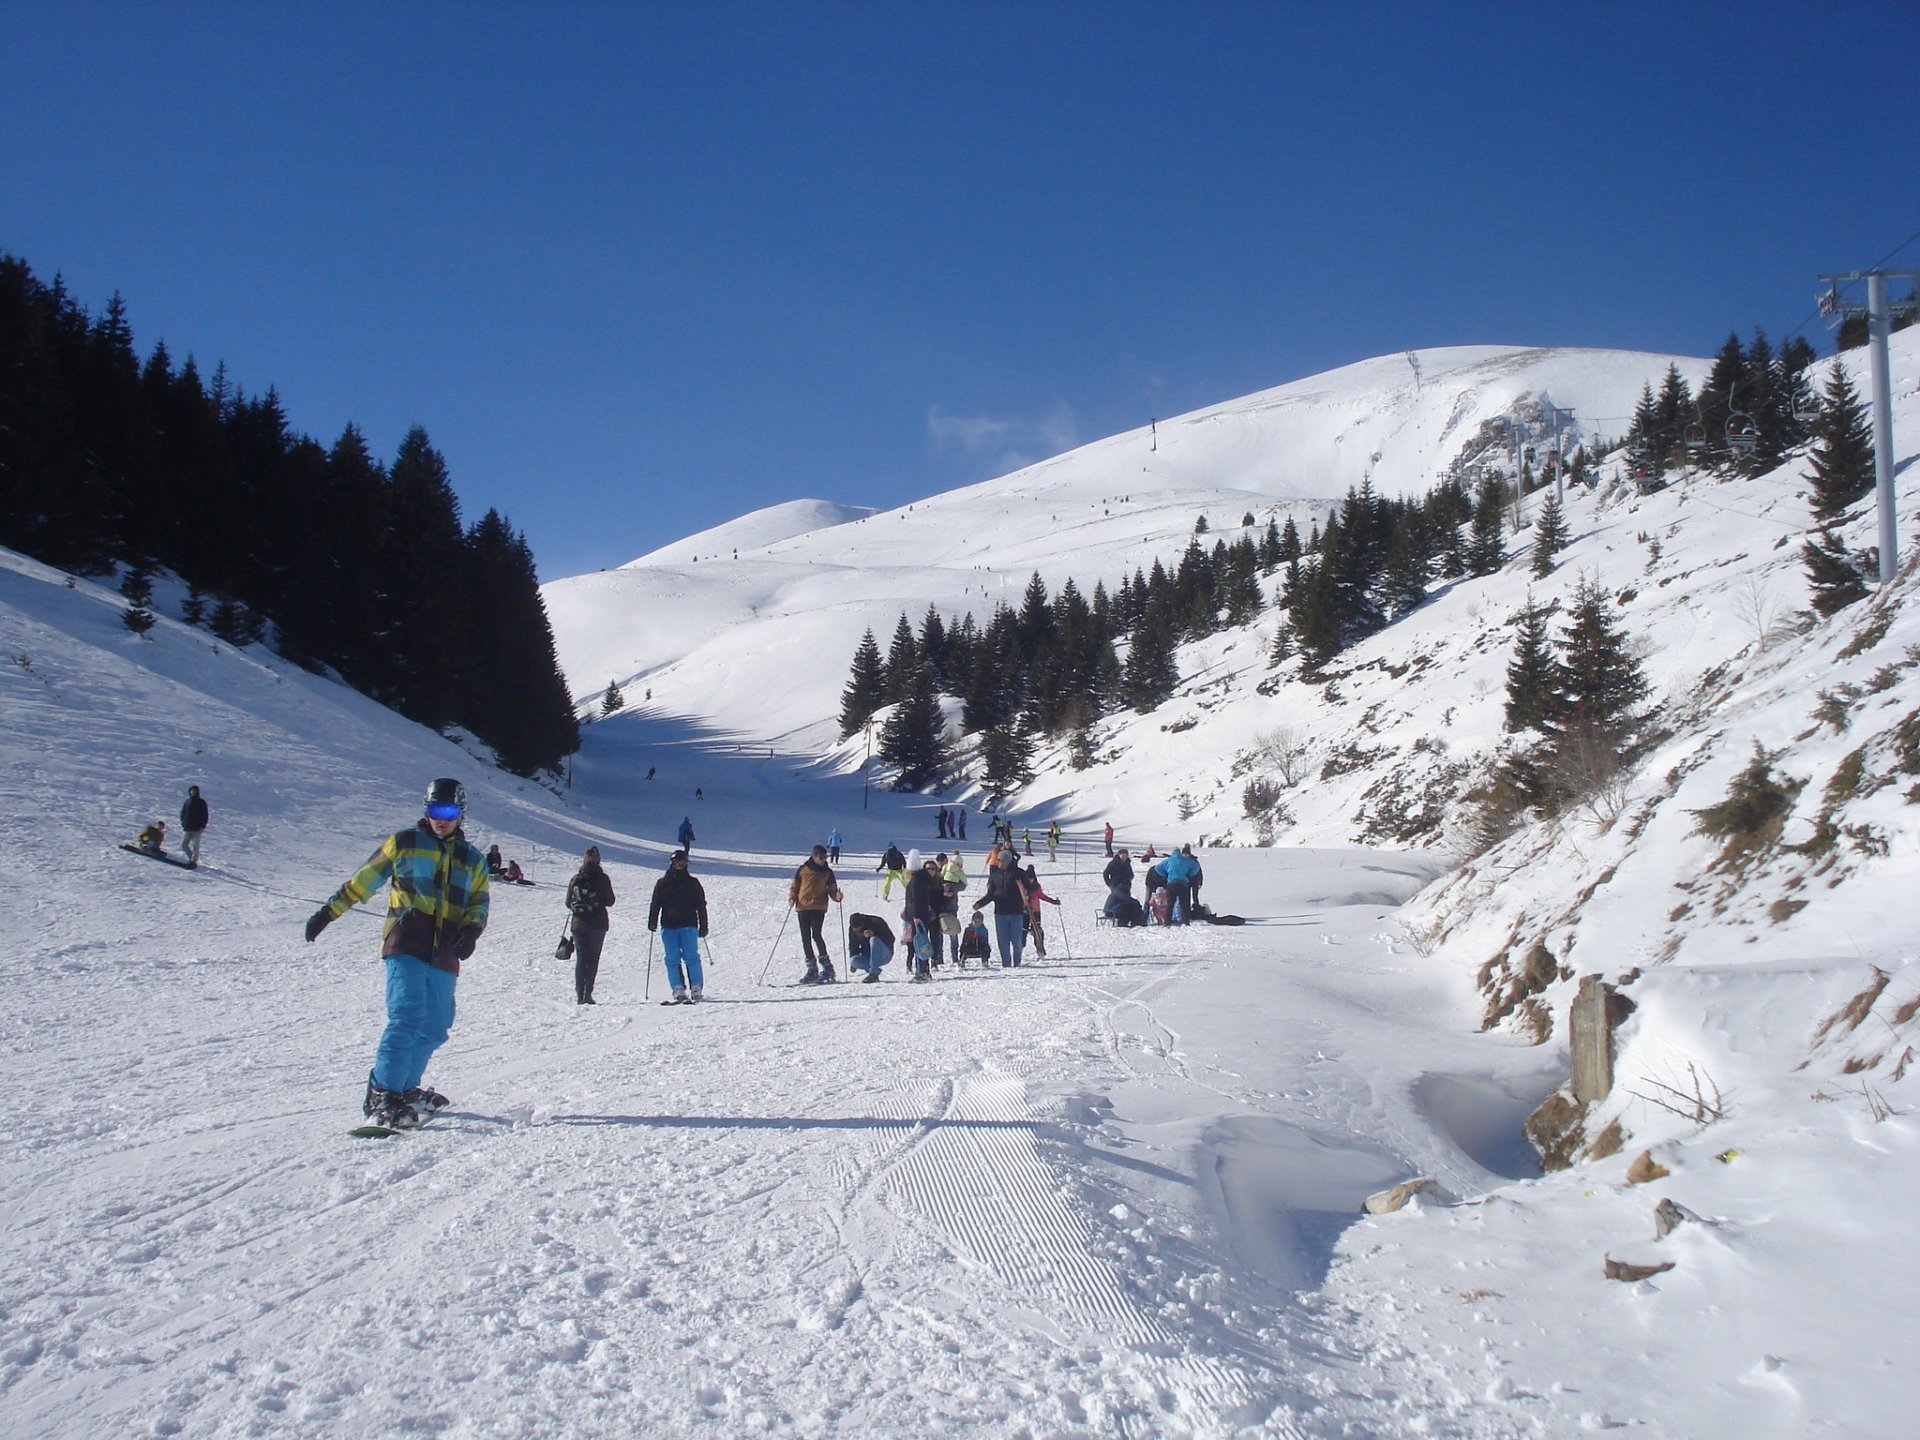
(1385,1202)
(1667,1218)
(1645,1168)
(1624,1270)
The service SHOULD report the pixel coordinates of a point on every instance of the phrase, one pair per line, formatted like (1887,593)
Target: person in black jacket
(922,914)
(679,913)
(589,897)
(1007,893)
(869,945)
(193,819)
(1119,878)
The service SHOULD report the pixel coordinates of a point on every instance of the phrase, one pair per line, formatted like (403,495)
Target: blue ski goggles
(444,812)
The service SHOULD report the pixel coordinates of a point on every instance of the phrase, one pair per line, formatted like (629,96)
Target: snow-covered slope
(1115,1194)
(761,643)
(751,531)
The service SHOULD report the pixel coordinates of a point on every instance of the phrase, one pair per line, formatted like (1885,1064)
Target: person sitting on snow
(153,838)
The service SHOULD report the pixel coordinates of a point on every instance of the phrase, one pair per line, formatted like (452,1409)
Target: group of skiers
(437,910)
(1173,888)
(930,914)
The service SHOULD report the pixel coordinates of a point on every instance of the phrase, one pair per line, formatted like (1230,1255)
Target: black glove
(463,948)
(703,932)
(317,922)
(653,929)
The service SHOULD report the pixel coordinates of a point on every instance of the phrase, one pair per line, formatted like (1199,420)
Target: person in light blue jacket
(1179,869)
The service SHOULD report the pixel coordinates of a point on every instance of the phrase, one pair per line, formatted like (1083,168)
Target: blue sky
(641,268)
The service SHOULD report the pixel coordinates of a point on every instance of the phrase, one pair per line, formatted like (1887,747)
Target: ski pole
(646,986)
(776,943)
(1065,938)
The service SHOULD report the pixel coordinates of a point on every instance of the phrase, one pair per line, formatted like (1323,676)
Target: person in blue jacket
(1179,869)
(686,833)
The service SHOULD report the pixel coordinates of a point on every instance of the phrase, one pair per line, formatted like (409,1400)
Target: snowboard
(163,858)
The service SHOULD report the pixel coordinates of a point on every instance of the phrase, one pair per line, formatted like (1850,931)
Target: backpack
(583,897)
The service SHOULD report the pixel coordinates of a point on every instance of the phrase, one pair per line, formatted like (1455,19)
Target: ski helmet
(446,799)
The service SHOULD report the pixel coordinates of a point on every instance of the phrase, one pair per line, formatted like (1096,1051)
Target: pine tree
(137,587)
(1080,751)
(1533,696)
(613,702)
(1842,459)
(1549,536)
(1150,676)
(193,609)
(1404,585)
(1600,680)
(866,689)
(903,658)
(1005,757)
(1487,545)
(1834,574)
(913,739)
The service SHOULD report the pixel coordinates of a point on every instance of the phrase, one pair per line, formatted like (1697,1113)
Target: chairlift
(1695,438)
(1806,406)
(1743,436)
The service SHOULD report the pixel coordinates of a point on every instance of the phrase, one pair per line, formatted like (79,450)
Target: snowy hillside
(750,532)
(761,644)
(1114,1193)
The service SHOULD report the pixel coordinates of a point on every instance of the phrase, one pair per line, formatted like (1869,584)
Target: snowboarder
(495,865)
(869,945)
(153,839)
(589,897)
(193,820)
(686,833)
(813,886)
(436,913)
(895,864)
(1007,893)
(834,841)
(679,913)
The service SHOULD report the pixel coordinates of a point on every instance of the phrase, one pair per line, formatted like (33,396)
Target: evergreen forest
(357,566)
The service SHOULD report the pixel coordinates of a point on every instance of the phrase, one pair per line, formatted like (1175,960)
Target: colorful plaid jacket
(438,905)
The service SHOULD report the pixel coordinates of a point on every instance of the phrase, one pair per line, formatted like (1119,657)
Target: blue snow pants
(1011,931)
(419,1016)
(681,949)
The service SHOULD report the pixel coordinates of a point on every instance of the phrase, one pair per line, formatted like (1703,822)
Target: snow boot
(426,1100)
(679,995)
(871,977)
(389,1108)
(693,995)
(827,976)
(812,977)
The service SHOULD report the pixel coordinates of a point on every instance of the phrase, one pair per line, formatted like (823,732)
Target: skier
(650,770)
(686,833)
(436,913)
(1053,843)
(589,897)
(813,886)
(869,945)
(1007,893)
(834,841)
(679,913)
(1109,837)
(895,864)
(1035,895)
(193,820)
(962,812)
